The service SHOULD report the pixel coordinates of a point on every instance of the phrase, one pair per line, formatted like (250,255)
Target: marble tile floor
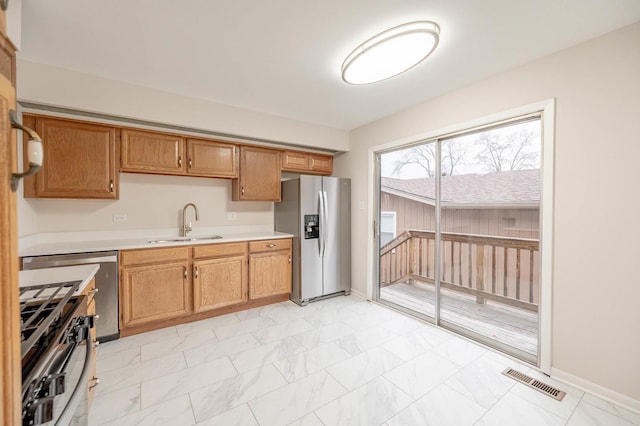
(340,361)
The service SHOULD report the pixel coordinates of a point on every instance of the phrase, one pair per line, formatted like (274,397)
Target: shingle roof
(521,186)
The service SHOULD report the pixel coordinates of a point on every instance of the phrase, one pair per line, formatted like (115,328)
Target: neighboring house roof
(519,188)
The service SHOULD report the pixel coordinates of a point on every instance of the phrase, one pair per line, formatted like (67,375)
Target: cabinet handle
(242,190)
(271,245)
(190,164)
(179,161)
(96,382)
(195,273)
(34,151)
(289,259)
(111,186)
(185,271)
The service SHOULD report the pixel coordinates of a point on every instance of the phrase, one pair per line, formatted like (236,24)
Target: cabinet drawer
(219,250)
(159,255)
(270,245)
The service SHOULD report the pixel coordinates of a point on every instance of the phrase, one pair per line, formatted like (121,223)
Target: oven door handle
(69,409)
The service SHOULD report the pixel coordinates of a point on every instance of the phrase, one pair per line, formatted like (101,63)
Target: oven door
(59,395)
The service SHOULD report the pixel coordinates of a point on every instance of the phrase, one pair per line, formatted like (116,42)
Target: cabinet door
(154,293)
(269,274)
(150,152)
(259,178)
(213,159)
(10,412)
(321,164)
(219,282)
(93,381)
(295,161)
(79,160)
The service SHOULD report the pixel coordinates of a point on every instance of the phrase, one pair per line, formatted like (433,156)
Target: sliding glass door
(463,246)
(408,213)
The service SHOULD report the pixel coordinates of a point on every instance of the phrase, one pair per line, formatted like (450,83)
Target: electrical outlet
(119,217)
(231,216)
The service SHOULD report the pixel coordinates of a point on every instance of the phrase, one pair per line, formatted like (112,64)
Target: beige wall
(154,201)
(45,84)
(151,202)
(595,287)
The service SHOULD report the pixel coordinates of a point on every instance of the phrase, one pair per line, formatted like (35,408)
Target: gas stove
(54,324)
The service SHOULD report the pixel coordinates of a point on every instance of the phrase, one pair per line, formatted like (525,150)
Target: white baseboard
(599,391)
(359,294)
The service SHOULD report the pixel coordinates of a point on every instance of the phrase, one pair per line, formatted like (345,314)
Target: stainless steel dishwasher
(106,283)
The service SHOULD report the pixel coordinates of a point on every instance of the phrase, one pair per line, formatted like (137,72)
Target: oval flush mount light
(391,52)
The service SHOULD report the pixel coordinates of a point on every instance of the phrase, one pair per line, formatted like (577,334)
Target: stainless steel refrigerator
(317,211)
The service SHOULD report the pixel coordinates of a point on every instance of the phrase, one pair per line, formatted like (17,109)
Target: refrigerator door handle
(325,231)
(321,224)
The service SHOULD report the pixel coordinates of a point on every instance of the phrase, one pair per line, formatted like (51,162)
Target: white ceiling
(283,56)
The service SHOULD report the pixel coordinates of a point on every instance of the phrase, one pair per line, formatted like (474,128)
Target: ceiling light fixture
(391,52)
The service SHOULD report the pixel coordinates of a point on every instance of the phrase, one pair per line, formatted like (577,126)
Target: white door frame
(547,107)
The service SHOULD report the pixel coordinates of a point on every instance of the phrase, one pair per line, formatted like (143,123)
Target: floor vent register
(536,384)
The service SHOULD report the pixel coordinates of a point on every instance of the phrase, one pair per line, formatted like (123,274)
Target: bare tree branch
(421,155)
(511,152)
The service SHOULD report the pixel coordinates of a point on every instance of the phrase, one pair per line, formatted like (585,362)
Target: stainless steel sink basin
(185,239)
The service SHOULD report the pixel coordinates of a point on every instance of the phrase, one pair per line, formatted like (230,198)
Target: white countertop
(95,241)
(36,277)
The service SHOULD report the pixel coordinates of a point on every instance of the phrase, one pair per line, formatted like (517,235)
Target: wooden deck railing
(500,269)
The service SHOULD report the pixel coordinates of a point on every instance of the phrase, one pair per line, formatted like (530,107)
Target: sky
(469,147)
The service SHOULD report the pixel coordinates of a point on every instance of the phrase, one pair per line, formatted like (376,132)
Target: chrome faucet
(186,227)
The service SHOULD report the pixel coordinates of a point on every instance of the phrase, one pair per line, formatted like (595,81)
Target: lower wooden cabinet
(269,268)
(155,286)
(90,291)
(220,280)
(168,286)
(270,274)
(153,293)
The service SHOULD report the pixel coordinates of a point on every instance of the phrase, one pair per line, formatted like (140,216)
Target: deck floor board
(508,325)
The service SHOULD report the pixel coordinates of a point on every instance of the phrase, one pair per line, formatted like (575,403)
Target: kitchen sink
(185,239)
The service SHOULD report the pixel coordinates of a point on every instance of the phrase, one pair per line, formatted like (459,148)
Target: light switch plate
(231,216)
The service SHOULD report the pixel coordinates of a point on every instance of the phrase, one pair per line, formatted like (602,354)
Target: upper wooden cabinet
(82,160)
(79,160)
(259,176)
(321,164)
(150,152)
(210,158)
(305,162)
